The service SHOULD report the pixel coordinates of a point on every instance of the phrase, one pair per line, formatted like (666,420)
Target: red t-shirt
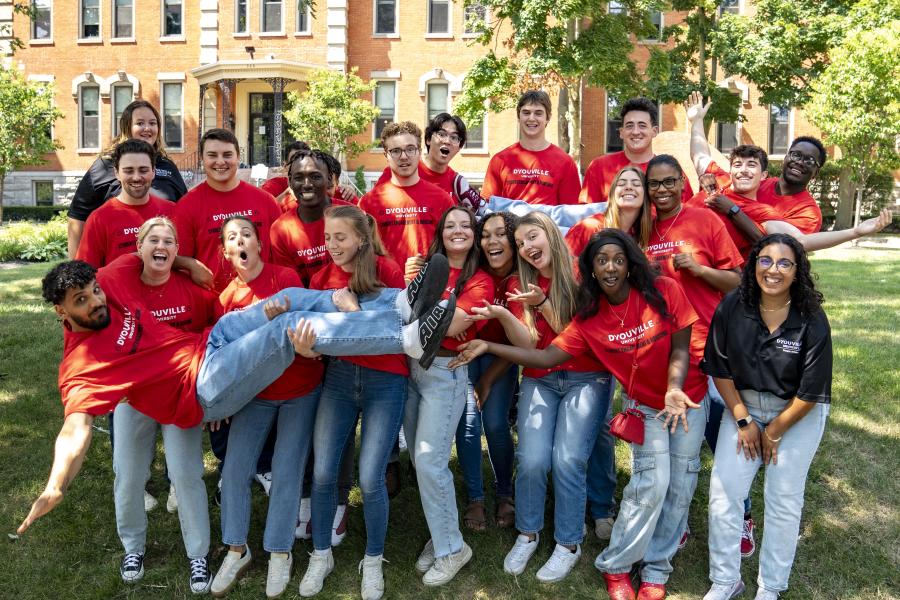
(600,174)
(582,364)
(111,230)
(406,216)
(479,287)
(492,330)
(546,177)
(199,219)
(637,353)
(699,232)
(299,245)
(304,374)
(442,180)
(580,234)
(332,277)
(275,185)
(740,242)
(153,365)
(178,302)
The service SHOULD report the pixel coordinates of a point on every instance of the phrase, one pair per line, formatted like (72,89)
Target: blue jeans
(380,396)
(246,352)
(437,398)
(132,456)
(559,417)
(564,215)
(656,500)
(249,430)
(494,418)
(601,468)
(732,476)
(716,408)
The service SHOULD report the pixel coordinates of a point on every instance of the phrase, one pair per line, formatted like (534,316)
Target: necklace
(662,236)
(774,309)
(625,314)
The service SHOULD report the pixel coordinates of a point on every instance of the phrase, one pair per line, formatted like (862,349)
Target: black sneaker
(200,577)
(426,289)
(433,327)
(132,568)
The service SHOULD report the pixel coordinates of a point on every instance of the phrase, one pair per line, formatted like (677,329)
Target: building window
(123,18)
(439,16)
(385,17)
(385,100)
(437,97)
(240,16)
(475,135)
(270,22)
(90,19)
(89,116)
(42,24)
(613,123)
(303,17)
(779,125)
(615,8)
(730,6)
(727,136)
(172,17)
(43,193)
(656,19)
(474,16)
(172,115)
(122,95)
(209,110)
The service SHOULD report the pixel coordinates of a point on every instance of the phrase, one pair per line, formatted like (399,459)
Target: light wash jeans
(437,398)
(559,417)
(249,429)
(132,456)
(380,397)
(246,352)
(494,420)
(564,215)
(601,468)
(716,409)
(654,503)
(732,476)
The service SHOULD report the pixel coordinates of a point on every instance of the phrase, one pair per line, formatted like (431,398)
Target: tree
(331,111)
(856,103)
(27,115)
(8,42)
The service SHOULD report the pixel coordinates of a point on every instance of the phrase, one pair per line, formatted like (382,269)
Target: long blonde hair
(562,295)
(364,279)
(613,217)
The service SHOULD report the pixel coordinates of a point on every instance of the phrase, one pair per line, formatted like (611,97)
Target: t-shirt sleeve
(478,288)
(805,216)
(93,399)
(492,185)
(390,274)
(688,192)
(592,187)
(288,278)
(93,190)
(724,253)
(815,383)
(571,340)
(715,356)
(91,248)
(723,178)
(570,185)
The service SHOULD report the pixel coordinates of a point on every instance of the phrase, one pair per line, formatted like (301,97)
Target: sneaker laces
(519,550)
(748,527)
(278,574)
(557,560)
(318,566)
(199,569)
(132,561)
(368,567)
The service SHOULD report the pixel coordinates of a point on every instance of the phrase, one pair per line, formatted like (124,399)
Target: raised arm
(696,111)
(828,239)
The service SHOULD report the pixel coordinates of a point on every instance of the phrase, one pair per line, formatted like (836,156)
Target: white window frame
(113,15)
(162,111)
(262,18)
(113,106)
(790,133)
(428,85)
(308,12)
(740,10)
(483,149)
(176,37)
(34,194)
(439,34)
(98,39)
(376,137)
(472,34)
(35,41)
(81,88)
(615,8)
(245,32)
(396,32)
(659,32)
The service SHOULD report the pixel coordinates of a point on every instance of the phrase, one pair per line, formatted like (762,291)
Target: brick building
(215,63)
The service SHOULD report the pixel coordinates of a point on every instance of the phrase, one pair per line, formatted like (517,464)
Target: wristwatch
(741,423)
(734,210)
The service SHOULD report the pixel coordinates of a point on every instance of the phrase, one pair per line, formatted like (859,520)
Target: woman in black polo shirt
(769,352)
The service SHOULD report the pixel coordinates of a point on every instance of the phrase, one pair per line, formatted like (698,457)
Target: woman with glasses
(769,353)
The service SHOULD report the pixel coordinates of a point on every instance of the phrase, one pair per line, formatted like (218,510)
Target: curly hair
(319,157)
(804,294)
(72,274)
(509,228)
(641,275)
(401,128)
(437,246)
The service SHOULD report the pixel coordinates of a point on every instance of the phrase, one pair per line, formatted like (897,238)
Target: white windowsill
(171,38)
(271,34)
(89,40)
(439,36)
(88,151)
(41,42)
(128,40)
(390,36)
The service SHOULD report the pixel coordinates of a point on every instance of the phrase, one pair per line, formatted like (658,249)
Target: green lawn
(850,545)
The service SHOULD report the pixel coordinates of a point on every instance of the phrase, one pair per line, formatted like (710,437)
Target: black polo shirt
(793,361)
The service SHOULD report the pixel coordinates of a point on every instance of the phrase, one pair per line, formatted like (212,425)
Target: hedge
(31,213)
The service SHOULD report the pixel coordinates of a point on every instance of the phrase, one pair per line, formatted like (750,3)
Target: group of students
(693,303)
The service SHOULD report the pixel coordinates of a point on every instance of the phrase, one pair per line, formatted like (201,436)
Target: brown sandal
(505,512)
(475,517)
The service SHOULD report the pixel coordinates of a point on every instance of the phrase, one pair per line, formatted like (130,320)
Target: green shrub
(32,213)
(35,242)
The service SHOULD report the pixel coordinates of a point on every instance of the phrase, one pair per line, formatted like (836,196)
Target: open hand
(468,352)
(46,502)
(677,405)
(875,224)
(695,108)
(534,296)
(485,312)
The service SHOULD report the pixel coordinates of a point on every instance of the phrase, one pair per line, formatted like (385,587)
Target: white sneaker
(321,564)
(603,528)
(149,502)
(764,594)
(445,568)
(372,578)
(719,591)
(426,558)
(560,563)
(339,525)
(265,480)
(517,558)
(231,570)
(279,574)
(172,501)
(303,519)
(132,567)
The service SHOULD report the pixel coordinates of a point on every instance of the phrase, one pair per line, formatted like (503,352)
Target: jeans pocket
(689,481)
(641,489)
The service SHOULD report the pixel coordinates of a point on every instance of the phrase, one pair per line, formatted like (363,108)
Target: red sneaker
(684,538)
(651,591)
(748,544)
(618,586)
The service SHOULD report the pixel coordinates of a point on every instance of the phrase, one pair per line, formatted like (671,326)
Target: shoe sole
(437,336)
(138,577)
(524,565)
(237,577)
(302,595)
(427,294)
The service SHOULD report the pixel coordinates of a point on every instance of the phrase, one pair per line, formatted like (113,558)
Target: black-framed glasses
(782,264)
(807,160)
(445,136)
(669,183)
(408,151)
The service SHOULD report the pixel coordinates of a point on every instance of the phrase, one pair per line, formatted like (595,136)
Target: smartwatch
(741,423)
(734,210)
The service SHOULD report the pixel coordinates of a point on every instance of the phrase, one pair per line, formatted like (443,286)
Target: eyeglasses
(809,161)
(782,264)
(448,137)
(408,151)
(668,183)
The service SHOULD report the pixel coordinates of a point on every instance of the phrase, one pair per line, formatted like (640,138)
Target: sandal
(475,517)
(505,512)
